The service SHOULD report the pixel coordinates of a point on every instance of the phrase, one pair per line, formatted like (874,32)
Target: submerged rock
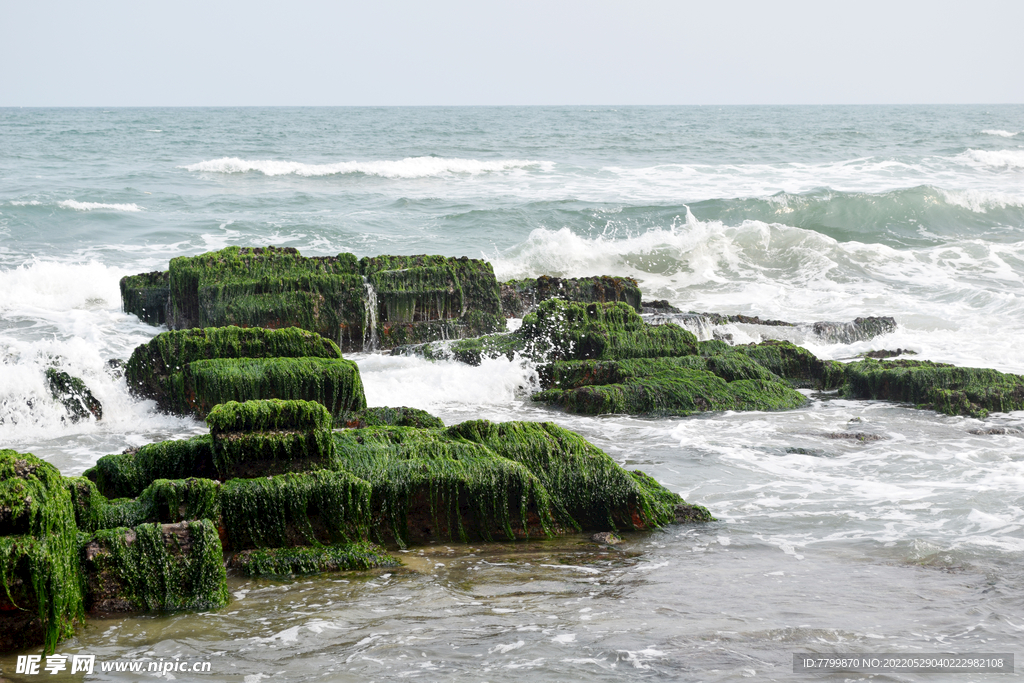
(72,393)
(374,302)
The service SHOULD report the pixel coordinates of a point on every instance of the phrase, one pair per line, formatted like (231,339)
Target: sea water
(844,526)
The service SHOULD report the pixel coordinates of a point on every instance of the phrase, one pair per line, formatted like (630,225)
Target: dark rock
(686,513)
(606,538)
(659,306)
(859,330)
(855,436)
(885,353)
(519,297)
(995,431)
(73,395)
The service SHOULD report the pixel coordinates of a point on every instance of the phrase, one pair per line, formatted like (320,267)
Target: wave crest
(97,206)
(411,167)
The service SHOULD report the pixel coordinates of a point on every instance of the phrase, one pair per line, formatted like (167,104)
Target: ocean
(910,542)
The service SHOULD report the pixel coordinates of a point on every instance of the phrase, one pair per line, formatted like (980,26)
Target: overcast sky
(480,52)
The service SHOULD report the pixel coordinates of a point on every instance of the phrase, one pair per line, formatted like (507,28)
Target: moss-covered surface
(270,437)
(41,591)
(519,297)
(72,393)
(155,567)
(296,509)
(589,491)
(312,560)
(126,475)
(164,500)
(383,416)
(944,388)
(190,371)
(427,485)
(147,295)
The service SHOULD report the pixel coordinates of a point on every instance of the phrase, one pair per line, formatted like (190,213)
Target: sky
(480,52)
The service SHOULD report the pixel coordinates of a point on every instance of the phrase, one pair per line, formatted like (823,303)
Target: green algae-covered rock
(312,560)
(589,491)
(268,287)
(41,592)
(422,298)
(188,372)
(365,304)
(155,567)
(270,437)
(72,393)
(519,297)
(944,388)
(126,475)
(384,416)
(296,509)
(164,500)
(147,295)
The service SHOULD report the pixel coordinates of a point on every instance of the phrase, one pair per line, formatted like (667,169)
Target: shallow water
(844,526)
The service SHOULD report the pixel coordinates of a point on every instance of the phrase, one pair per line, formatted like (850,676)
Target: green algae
(157,567)
(296,509)
(944,388)
(153,363)
(519,297)
(393,417)
(428,485)
(589,490)
(270,437)
(126,475)
(312,560)
(666,386)
(72,393)
(333,382)
(146,295)
(39,569)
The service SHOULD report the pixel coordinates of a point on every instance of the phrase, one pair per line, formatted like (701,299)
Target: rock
(995,430)
(859,330)
(885,353)
(126,475)
(606,538)
(393,417)
(519,297)
(188,372)
(855,436)
(937,386)
(73,395)
(147,295)
(155,567)
(659,306)
(685,513)
(311,560)
(375,302)
(41,597)
(259,438)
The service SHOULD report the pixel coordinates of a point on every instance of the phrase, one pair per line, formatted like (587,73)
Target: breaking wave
(412,167)
(96,206)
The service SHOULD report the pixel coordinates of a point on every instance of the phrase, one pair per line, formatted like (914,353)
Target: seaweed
(312,560)
(428,485)
(156,567)
(126,475)
(42,590)
(147,296)
(296,509)
(519,297)
(72,393)
(393,417)
(270,437)
(588,489)
(944,388)
(164,500)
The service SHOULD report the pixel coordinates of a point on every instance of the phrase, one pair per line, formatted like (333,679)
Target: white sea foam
(961,302)
(1000,158)
(96,206)
(412,167)
(33,202)
(981,201)
(1000,133)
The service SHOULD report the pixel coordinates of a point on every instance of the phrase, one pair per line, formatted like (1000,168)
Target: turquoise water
(797,213)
